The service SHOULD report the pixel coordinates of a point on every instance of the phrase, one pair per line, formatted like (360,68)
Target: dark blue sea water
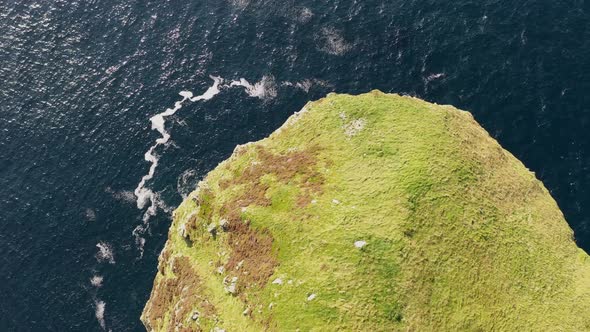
(79,81)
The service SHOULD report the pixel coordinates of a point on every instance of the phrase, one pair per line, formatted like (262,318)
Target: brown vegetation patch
(303,199)
(178,296)
(163,259)
(252,260)
(300,166)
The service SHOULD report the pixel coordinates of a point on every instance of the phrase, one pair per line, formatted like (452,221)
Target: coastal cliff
(371,212)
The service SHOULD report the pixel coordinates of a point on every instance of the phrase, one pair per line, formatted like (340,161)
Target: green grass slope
(375,212)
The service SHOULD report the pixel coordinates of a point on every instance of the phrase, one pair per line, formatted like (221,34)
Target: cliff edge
(375,212)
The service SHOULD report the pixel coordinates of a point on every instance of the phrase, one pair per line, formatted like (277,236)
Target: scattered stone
(313,201)
(221,269)
(218,329)
(232,288)
(195,315)
(335,201)
(246,312)
(271,305)
(290,282)
(311,297)
(278,281)
(224,224)
(239,266)
(212,229)
(360,244)
(182,230)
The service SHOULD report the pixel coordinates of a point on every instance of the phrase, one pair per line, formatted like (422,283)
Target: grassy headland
(375,212)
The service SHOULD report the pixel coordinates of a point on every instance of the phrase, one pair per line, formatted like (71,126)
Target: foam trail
(212,91)
(143,194)
(265,89)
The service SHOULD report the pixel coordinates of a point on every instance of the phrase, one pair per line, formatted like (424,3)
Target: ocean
(80,81)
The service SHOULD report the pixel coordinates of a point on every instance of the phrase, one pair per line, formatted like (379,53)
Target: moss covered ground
(375,212)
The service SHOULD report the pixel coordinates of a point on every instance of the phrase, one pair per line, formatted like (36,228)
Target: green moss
(460,235)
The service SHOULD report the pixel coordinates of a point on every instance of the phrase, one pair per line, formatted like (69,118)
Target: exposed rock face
(371,212)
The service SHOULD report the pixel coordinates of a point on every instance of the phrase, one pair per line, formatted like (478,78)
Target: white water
(105,253)
(99,313)
(96,281)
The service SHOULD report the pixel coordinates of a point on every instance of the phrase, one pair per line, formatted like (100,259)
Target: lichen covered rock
(375,212)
